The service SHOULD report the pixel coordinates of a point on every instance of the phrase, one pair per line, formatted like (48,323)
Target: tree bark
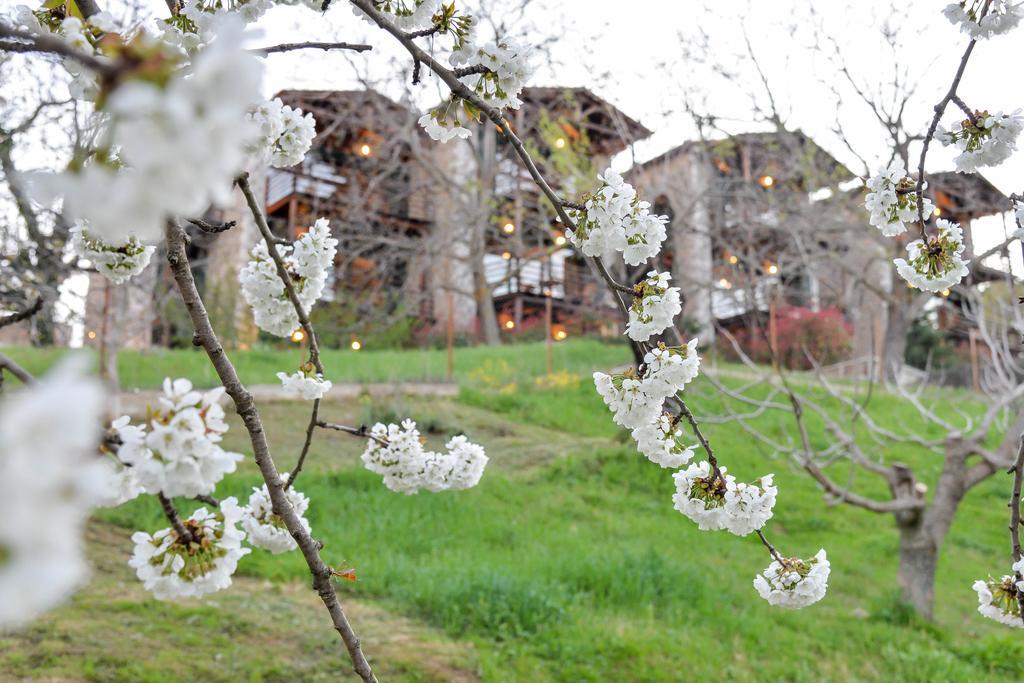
(919,555)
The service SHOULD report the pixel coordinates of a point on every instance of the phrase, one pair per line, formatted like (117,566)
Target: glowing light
(356,345)
(298,335)
(945,292)
(560,143)
(510,324)
(91,334)
(731,258)
(509,228)
(724,284)
(365,150)
(506,255)
(773,269)
(766,181)
(559,240)
(560,335)
(937,211)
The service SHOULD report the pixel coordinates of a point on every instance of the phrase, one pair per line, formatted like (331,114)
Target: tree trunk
(919,555)
(895,343)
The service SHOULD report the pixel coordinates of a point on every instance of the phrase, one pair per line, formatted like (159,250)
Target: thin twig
(15,40)
(171,513)
(1015,520)
(24,314)
(291,47)
(212,228)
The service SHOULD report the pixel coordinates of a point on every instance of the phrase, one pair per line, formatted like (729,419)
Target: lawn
(567,563)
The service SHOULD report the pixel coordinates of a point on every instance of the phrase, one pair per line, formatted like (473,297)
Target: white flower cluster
(508,65)
(407,15)
(984,140)
(122,480)
(179,145)
(285,133)
(308,261)
(50,478)
(661,442)
(305,384)
(1000,600)
(79,34)
(396,453)
(655,305)
(721,502)
(171,568)
(614,218)
(939,264)
(181,454)
(117,261)
(796,583)
(267,530)
(1002,16)
(636,401)
(892,201)
(443,124)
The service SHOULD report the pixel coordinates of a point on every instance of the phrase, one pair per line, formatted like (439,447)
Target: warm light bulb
(733,259)
(560,143)
(937,211)
(509,227)
(724,284)
(506,255)
(766,181)
(945,292)
(773,269)
(356,345)
(91,335)
(560,240)
(298,335)
(561,335)
(365,150)
(509,324)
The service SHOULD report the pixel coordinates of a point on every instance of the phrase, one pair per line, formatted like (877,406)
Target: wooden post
(451,335)
(975,380)
(547,332)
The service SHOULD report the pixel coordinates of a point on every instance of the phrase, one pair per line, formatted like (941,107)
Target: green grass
(147,369)
(567,563)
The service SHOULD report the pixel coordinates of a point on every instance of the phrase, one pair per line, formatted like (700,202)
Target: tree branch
(24,375)
(24,314)
(246,408)
(291,47)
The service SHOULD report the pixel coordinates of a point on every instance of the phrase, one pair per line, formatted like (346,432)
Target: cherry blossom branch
(291,47)
(21,373)
(1015,522)
(23,314)
(282,272)
(361,431)
(212,228)
(940,109)
(245,406)
(171,513)
(14,40)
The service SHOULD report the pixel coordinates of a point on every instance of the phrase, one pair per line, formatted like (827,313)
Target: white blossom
(397,454)
(939,265)
(749,506)
(722,502)
(285,133)
(308,261)
(655,305)
(407,15)
(984,140)
(625,397)
(614,219)
(50,476)
(178,145)
(307,385)
(509,65)
(661,442)
(668,369)
(267,530)
(796,583)
(1002,17)
(437,125)
(892,201)
(172,569)
(181,454)
(117,261)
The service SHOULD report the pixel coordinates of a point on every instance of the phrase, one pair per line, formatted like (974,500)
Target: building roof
(608,128)
(758,154)
(966,195)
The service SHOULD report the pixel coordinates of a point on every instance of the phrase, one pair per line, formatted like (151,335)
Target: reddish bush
(825,336)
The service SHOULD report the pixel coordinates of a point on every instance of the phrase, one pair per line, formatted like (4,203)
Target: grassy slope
(568,563)
(147,369)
